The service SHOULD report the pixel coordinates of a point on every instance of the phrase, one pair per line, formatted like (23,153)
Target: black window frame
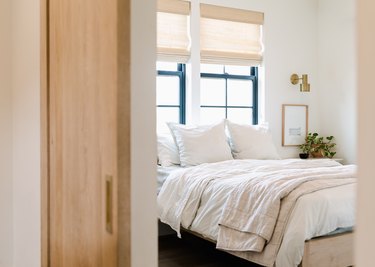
(181,74)
(253,77)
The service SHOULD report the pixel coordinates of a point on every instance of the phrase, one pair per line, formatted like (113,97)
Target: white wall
(6,194)
(366,132)
(337,74)
(26,132)
(290,39)
(19,134)
(143,134)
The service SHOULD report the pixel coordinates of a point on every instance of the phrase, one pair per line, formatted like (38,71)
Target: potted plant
(318,146)
(305,148)
(328,146)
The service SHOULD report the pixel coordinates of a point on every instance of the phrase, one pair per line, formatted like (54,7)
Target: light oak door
(85,73)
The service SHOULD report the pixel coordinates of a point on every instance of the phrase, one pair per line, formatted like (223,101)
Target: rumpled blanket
(256,212)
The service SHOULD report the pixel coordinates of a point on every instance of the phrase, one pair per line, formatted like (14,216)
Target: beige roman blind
(173,42)
(230,36)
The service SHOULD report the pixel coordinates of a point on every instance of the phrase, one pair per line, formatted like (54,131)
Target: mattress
(315,214)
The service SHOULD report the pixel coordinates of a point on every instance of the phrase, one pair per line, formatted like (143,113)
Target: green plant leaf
(315,143)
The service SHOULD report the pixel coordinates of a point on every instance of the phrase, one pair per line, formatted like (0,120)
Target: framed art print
(295,124)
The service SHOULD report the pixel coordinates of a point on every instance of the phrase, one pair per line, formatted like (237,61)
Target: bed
(271,212)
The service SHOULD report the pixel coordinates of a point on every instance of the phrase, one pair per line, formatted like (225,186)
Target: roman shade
(230,36)
(173,42)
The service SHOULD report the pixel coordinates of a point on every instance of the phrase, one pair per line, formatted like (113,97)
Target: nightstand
(339,160)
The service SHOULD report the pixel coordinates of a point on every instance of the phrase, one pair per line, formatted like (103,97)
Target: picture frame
(294,124)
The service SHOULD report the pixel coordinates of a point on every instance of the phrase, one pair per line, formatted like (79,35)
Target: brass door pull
(108,204)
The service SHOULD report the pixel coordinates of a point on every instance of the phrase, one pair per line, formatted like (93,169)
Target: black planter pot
(304,155)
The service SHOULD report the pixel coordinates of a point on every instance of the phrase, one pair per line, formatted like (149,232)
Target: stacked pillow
(167,151)
(251,142)
(201,144)
(194,145)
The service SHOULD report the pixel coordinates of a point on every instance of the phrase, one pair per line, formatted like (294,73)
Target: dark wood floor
(192,251)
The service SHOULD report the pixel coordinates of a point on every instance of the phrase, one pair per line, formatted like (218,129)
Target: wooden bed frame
(329,251)
(326,251)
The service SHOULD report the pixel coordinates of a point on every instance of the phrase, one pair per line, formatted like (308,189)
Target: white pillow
(167,150)
(201,144)
(251,142)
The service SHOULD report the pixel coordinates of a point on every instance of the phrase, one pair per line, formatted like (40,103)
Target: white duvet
(200,210)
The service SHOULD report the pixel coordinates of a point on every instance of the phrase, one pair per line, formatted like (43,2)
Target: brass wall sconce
(304,86)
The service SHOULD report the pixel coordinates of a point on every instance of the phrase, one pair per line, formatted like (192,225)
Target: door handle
(109,204)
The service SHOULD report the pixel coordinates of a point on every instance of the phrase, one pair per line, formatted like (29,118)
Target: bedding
(203,198)
(164,172)
(201,144)
(167,150)
(251,141)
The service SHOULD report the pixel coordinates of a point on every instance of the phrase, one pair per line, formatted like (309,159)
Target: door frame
(44,116)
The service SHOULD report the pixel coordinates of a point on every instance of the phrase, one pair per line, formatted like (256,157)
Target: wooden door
(85,73)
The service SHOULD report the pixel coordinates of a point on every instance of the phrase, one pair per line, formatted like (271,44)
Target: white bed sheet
(310,210)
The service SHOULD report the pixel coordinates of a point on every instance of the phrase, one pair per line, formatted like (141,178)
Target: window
(229,92)
(170,94)
(230,42)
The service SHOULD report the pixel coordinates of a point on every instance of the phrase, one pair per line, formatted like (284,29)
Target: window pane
(212,68)
(168,90)
(210,115)
(169,66)
(237,70)
(212,92)
(241,115)
(166,115)
(240,93)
